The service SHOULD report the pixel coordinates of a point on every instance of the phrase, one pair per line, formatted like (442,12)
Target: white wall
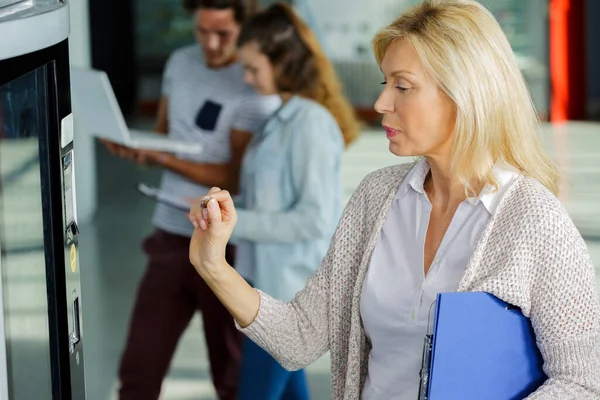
(343,32)
(79,40)
(85,156)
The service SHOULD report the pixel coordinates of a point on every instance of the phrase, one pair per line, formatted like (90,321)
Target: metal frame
(3,359)
(29,26)
(56,60)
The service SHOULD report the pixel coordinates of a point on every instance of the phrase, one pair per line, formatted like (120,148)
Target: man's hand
(150,157)
(120,150)
(141,157)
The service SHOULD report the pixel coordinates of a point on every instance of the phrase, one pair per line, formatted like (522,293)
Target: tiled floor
(112,262)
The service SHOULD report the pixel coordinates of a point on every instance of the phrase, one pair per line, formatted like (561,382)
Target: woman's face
(259,71)
(418,117)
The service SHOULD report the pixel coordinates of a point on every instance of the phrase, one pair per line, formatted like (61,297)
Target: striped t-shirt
(204,105)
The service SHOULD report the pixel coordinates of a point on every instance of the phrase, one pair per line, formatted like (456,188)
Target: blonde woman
(478,212)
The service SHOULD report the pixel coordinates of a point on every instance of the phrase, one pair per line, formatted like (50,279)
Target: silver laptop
(96,110)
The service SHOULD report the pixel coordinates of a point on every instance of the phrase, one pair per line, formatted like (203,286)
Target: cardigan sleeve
(297,333)
(565,313)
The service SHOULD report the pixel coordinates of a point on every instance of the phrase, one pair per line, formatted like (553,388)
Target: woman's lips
(390,132)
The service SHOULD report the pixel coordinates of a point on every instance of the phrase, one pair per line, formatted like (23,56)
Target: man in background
(205,100)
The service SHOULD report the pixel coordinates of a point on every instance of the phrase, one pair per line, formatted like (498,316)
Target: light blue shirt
(397,296)
(290,198)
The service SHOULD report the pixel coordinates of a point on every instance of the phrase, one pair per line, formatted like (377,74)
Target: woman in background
(290,190)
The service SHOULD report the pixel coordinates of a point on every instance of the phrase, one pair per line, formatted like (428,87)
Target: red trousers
(168,296)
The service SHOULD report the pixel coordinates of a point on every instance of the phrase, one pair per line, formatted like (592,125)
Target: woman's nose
(385,103)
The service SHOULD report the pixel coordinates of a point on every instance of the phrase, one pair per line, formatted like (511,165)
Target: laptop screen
(95,108)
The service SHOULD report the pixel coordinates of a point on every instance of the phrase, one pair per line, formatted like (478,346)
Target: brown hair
(301,65)
(242,9)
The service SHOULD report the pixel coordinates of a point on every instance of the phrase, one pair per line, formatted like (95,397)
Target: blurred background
(131,41)
(557,45)
(143,33)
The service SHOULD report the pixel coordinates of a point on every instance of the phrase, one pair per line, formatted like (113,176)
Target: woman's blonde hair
(464,50)
(303,68)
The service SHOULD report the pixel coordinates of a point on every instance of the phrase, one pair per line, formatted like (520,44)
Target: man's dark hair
(242,9)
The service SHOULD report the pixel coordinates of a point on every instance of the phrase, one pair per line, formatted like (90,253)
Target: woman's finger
(204,202)
(199,210)
(192,218)
(203,225)
(225,201)
(196,211)
(223,198)
(214,212)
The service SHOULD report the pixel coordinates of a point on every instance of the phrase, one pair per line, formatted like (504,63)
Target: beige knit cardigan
(530,255)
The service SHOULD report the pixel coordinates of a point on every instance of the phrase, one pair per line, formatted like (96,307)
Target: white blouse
(397,296)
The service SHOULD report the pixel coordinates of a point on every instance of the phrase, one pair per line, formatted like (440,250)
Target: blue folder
(480,348)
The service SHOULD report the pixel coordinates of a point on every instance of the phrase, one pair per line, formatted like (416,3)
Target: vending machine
(41,342)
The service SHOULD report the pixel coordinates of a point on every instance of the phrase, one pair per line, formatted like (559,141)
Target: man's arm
(251,112)
(224,176)
(162,122)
